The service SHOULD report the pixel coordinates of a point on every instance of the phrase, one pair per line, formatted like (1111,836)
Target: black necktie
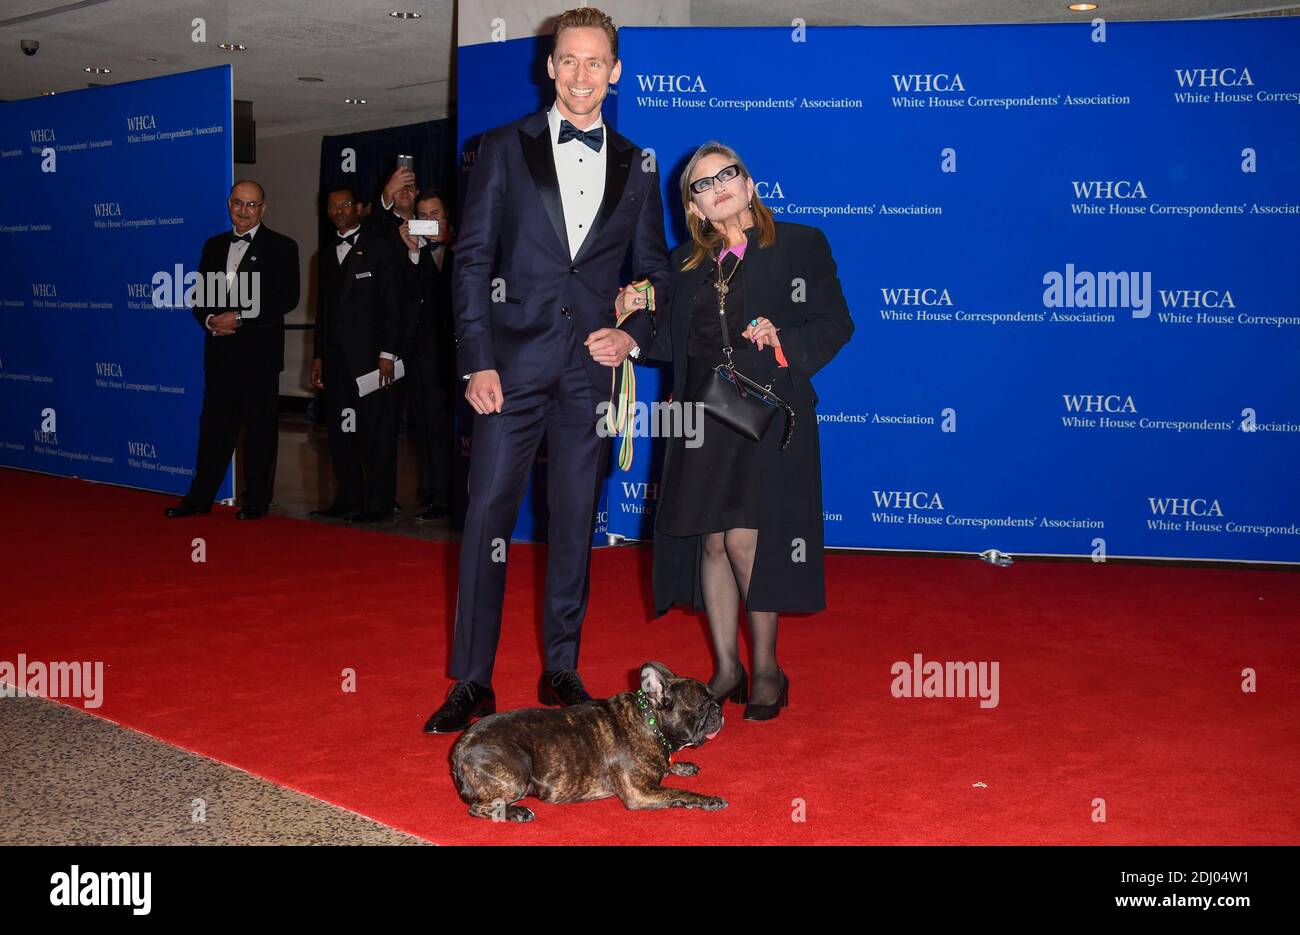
(348,238)
(593,138)
(246,238)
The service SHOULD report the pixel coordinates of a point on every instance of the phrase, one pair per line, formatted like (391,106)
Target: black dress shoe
(739,693)
(561,687)
(369,516)
(184,509)
(765,712)
(466,700)
(333,511)
(251,512)
(432,513)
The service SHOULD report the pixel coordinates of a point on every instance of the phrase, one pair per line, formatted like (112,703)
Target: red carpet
(1116,682)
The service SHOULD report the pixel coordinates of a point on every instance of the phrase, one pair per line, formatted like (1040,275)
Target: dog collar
(652,721)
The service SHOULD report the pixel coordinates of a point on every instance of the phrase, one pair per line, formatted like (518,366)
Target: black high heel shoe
(738,694)
(765,712)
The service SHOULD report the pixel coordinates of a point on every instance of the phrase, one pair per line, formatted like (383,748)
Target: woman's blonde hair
(706,239)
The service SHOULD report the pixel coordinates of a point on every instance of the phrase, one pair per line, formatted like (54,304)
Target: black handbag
(741,404)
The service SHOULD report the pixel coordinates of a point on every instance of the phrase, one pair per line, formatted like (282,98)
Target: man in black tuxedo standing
(555,204)
(358,331)
(243,352)
(431,357)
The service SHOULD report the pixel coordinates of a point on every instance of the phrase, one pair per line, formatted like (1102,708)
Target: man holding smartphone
(430,350)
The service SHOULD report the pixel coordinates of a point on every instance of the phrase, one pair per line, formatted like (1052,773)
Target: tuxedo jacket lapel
(618,165)
(249,261)
(329,260)
(535,140)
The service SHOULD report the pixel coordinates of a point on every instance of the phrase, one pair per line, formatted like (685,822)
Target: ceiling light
(1083,7)
(233,47)
(47,93)
(397,15)
(354,100)
(96,70)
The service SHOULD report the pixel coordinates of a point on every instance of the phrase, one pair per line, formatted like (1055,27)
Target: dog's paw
(519,813)
(499,811)
(710,803)
(684,769)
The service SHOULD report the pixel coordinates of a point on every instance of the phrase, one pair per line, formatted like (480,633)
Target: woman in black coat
(737,519)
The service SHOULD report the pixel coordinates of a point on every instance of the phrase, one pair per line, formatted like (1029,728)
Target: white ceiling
(401,67)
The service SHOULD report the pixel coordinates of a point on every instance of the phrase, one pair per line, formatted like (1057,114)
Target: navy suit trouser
(559,403)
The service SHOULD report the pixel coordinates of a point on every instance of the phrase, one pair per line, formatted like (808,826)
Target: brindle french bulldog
(589,751)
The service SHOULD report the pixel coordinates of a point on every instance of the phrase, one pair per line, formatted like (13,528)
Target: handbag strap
(722,290)
(743,382)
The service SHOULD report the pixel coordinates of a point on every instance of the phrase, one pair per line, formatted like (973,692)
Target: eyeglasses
(700,186)
(245,204)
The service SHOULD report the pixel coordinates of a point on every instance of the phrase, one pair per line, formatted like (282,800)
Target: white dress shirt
(342,247)
(581,173)
(234,256)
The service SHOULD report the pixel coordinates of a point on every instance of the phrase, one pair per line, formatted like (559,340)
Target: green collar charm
(648,713)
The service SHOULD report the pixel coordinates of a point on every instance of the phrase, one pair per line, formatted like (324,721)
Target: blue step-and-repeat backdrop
(109,195)
(1068,251)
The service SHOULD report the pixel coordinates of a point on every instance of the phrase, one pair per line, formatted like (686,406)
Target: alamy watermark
(932,679)
(657,420)
(68,680)
(216,291)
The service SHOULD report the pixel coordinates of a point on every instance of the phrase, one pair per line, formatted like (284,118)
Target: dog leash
(622,393)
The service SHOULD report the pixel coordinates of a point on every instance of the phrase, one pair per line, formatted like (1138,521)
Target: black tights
(725,568)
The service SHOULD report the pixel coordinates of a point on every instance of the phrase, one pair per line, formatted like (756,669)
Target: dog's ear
(655,677)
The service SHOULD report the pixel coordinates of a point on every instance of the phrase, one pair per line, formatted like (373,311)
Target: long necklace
(723,289)
(721,284)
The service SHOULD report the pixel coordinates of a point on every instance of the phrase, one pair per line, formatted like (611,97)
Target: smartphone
(406,162)
(422,228)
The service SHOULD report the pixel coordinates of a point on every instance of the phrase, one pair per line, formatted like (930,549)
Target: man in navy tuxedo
(555,204)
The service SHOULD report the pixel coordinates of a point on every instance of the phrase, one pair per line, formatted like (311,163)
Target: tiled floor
(70,777)
(304,480)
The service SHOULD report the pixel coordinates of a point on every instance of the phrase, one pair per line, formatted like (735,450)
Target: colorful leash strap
(622,393)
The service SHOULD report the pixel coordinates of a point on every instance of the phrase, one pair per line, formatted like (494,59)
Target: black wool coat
(793,283)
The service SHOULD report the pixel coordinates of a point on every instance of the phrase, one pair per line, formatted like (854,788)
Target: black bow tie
(348,238)
(246,238)
(593,138)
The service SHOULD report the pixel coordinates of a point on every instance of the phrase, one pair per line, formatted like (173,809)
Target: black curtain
(374,156)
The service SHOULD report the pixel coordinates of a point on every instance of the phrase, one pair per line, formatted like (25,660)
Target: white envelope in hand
(368,383)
